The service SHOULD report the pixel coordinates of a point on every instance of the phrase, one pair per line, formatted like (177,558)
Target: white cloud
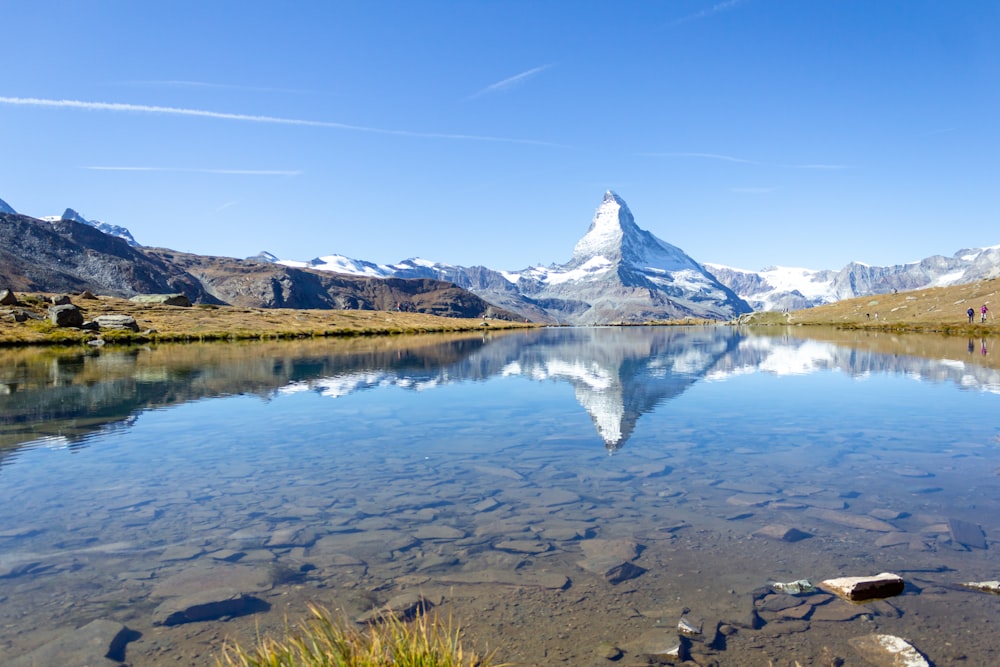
(510,82)
(198,170)
(710,156)
(249,118)
(711,11)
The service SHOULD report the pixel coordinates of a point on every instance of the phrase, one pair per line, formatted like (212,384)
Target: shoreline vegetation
(324,639)
(159,323)
(935,310)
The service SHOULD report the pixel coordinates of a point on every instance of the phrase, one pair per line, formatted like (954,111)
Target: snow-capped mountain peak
(612,222)
(107,228)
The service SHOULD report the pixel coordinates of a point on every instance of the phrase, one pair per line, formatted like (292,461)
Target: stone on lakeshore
(608,651)
(162,299)
(207,605)
(100,643)
(893,539)
(566,530)
(523,546)
(122,322)
(851,520)
(402,607)
(438,533)
(552,497)
(794,587)
(550,580)
(611,559)
(857,589)
(623,572)
(749,500)
(660,644)
(499,472)
(291,537)
(687,628)
(486,505)
(967,534)
(60,300)
(12,570)
(7,298)
(781,533)
(87,294)
(779,602)
(888,651)
(66,315)
(205,574)
(180,552)
(984,586)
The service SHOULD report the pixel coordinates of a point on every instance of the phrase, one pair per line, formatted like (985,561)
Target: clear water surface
(557,491)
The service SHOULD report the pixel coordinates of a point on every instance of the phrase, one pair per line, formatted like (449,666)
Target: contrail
(274,120)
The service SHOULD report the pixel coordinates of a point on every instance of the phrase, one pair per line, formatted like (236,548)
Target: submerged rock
(207,605)
(99,643)
(967,534)
(782,533)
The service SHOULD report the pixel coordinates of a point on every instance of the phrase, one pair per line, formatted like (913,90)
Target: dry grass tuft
(325,641)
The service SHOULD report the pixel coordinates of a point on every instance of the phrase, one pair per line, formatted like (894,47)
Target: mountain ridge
(615,263)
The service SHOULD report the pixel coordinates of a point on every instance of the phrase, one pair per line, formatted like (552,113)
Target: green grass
(325,641)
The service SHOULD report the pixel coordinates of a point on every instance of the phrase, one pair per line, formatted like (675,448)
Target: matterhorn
(621,273)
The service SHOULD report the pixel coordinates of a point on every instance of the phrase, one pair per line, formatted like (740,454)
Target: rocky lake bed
(457,476)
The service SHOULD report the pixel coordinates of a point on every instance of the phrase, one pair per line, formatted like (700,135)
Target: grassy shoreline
(162,324)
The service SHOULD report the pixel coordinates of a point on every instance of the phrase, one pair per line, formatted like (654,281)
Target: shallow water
(496,475)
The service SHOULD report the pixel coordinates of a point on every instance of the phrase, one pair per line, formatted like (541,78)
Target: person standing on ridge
(971,312)
(983,311)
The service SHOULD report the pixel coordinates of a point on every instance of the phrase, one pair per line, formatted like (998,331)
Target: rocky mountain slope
(618,273)
(784,288)
(65,255)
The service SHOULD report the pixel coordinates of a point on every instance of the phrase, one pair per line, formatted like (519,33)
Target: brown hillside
(939,309)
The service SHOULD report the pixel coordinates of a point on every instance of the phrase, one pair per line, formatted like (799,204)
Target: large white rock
(856,589)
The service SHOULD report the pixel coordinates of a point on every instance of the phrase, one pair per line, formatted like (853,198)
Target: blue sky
(746,132)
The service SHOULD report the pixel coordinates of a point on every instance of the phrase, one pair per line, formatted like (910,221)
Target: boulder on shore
(117,322)
(163,299)
(66,315)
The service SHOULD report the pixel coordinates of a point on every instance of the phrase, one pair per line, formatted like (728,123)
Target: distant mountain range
(63,254)
(616,255)
(618,273)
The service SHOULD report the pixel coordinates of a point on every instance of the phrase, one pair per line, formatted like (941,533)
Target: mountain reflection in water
(617,374)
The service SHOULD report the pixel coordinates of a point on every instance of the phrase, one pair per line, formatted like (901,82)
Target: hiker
(983,311)
(972,314)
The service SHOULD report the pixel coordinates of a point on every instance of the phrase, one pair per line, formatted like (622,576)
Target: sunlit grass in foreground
(324,641)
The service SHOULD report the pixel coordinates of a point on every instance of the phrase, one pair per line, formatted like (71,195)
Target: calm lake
(563,493)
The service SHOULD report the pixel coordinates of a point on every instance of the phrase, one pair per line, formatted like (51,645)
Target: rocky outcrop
(69,256)
(258,284)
